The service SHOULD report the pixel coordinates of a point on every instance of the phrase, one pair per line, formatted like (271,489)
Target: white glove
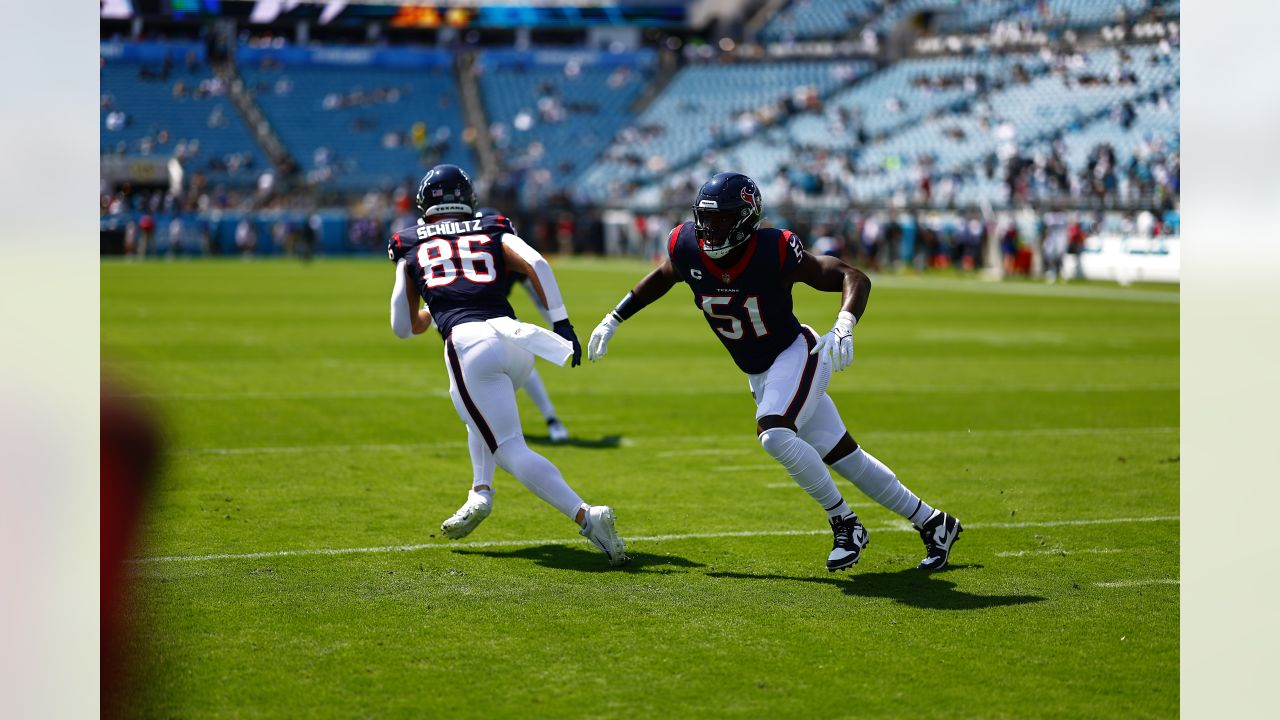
(599,342)
(839,342)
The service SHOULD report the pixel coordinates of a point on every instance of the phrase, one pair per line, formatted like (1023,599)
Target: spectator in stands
(825,243)
(146,235)
(311,231)
(246,237)
(1009,248)
(1075,247)
(176,234)
(217,118)
(117,120)
(972,238)
(871,241)
(1054,244)
(892,244)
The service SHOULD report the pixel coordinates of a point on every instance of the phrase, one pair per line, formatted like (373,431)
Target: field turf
(1046,418)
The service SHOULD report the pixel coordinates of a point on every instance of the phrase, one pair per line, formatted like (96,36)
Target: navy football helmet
(445,189)
(726,213)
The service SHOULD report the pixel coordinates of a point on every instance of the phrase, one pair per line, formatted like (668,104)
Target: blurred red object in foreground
(130,453)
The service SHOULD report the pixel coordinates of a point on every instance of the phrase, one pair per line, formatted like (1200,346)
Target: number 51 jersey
(458,266)
(748,305)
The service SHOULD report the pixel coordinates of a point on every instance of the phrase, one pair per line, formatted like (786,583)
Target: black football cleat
(846,548)
(939,533)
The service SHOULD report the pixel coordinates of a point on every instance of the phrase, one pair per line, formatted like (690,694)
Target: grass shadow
(930,591)
(568,557)
(602,443)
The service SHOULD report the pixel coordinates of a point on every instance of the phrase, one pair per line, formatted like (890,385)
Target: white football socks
(880,484)
(482,461)
(539,475)
(538,393)
(805,466)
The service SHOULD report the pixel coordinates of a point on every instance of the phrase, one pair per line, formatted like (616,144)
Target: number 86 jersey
(458,266)
(747,305)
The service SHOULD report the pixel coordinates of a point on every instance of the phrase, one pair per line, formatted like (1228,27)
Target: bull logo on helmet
(749,196)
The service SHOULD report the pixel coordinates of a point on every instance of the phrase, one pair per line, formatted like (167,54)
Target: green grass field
(1046,418)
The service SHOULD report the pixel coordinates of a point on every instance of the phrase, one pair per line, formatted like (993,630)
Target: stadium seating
(952,15)
(891,98)
(1032,111)
(814,19)
(148,110)
(1091,13)
(556,115)
(707,105)
(1155,125)
(562,120)
(354,127)
(894,99)
(950,131)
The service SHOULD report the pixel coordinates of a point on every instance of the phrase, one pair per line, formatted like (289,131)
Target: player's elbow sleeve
(555,310)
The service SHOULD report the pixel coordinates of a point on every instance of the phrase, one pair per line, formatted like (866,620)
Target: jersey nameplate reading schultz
(448,228)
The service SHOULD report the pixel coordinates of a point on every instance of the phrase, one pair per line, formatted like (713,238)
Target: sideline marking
(899,527)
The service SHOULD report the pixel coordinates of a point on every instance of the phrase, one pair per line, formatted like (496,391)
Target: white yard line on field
(702,451)
(955,389)
(1090,292)
(651,441)
(1060,551)
(899,527)
(297,449)
(1138,583)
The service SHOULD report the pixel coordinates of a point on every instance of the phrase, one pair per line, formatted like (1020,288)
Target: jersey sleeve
(672,240)
(790,251)
(497,225)
(398,246)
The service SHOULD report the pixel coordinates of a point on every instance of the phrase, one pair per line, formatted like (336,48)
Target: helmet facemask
(726,213)
(720,231)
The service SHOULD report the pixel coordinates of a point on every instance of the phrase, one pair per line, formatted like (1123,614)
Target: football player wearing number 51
(741,276)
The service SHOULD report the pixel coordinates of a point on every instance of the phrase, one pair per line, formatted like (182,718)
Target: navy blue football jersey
(748,305)
(459,268)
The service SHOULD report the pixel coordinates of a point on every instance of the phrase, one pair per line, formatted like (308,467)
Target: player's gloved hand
(838,342)
(565,330)
(598,345)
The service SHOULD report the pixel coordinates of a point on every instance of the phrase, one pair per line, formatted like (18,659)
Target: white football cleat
(557,431)
(939,533)
(850,537)
(468,517)
(598,528)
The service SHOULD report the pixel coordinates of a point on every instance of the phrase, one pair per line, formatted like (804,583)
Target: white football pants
(484,371)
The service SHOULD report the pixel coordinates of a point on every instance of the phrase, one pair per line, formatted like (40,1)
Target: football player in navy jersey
(556,431)
(741,276)
(456,263)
